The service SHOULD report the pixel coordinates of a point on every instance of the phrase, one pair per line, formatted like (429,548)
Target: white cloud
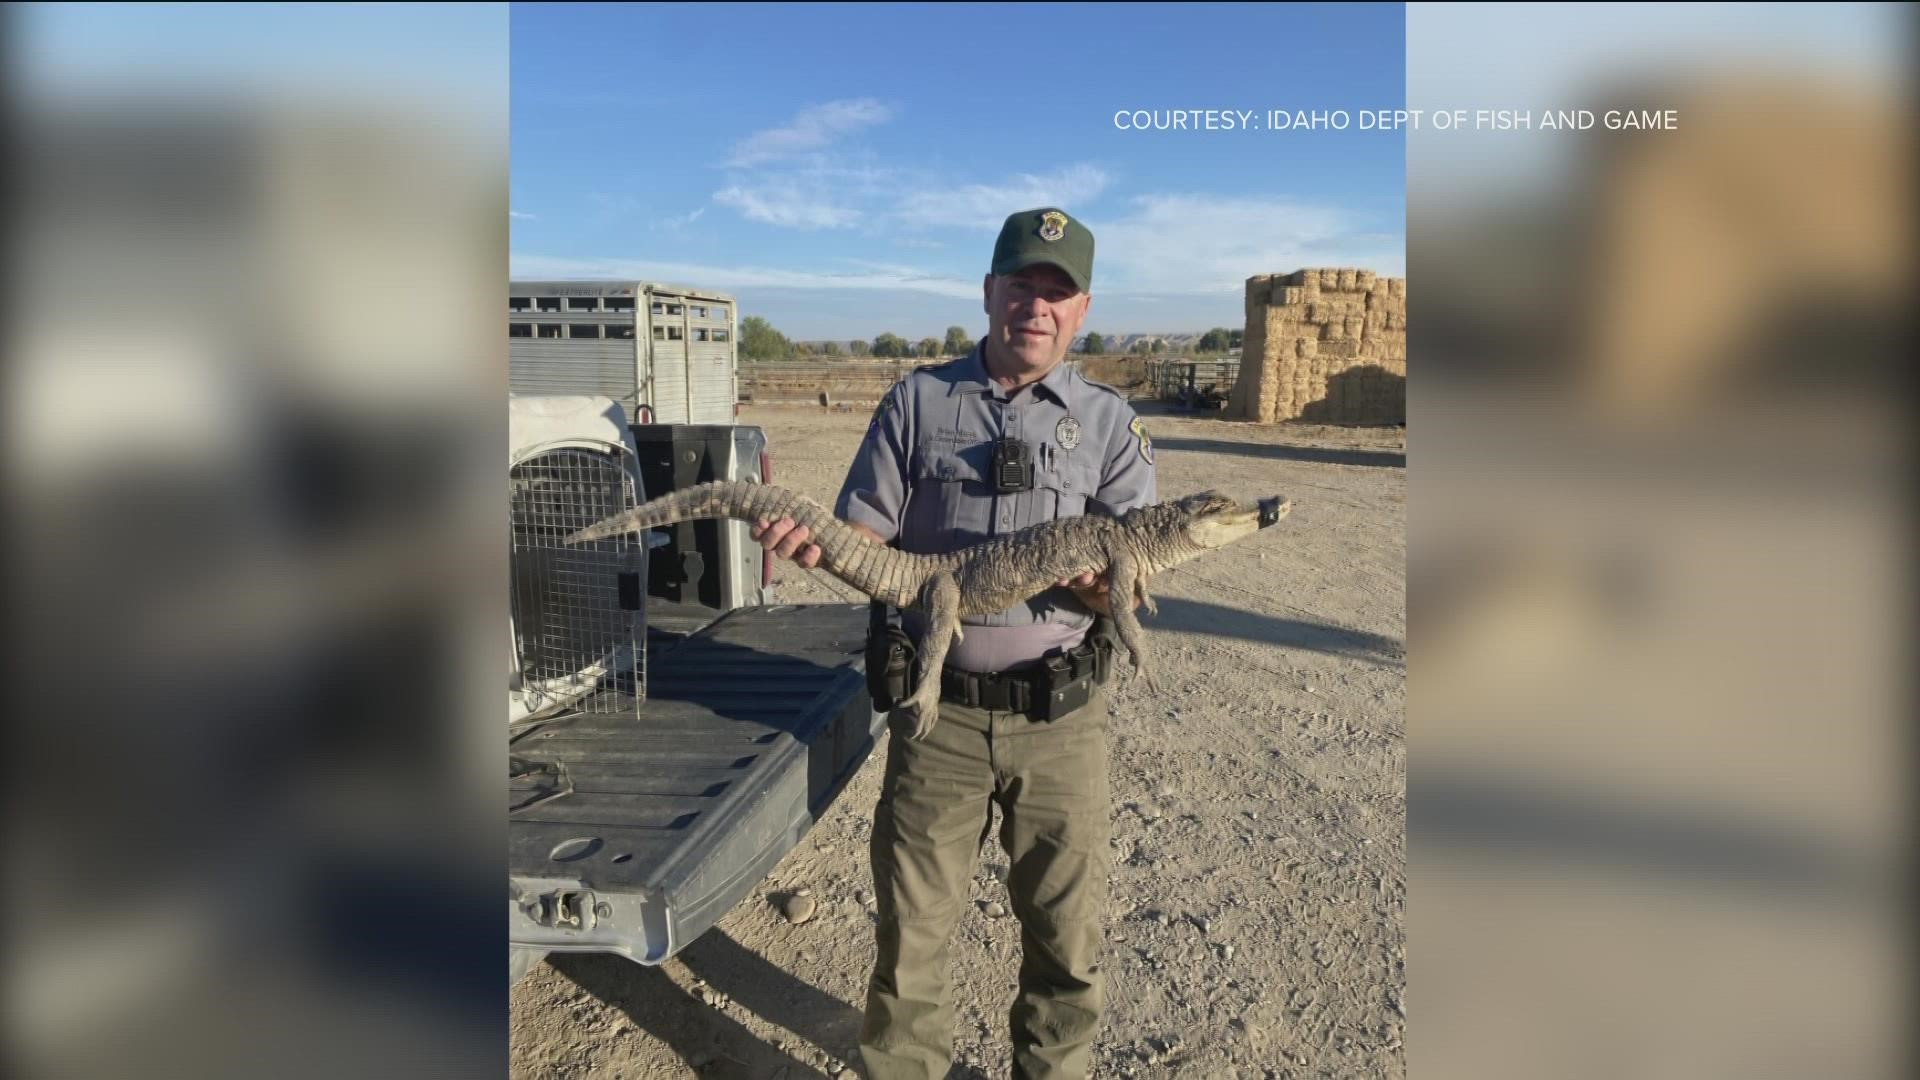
(1164,246)
(680,221)
(786,204)
(986,206)
(812,128)
(819,191)
(866,276)
(822,191)
(518,216)
(1191,244)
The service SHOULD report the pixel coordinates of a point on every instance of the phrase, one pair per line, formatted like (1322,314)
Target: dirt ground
(1256,926)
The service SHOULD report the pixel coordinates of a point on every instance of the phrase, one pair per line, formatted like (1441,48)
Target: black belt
(1001,691)
(1063,682)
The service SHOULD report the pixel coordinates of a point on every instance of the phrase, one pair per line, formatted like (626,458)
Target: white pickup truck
(672,733)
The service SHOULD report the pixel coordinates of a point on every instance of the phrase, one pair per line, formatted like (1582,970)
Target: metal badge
(1053,226)
(1067,433)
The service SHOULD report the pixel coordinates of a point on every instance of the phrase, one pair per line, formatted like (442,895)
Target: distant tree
(958,343)
(1158,346)
(859,348)
(1214,340)
(760,341)
(1141,347)
(889,346)
(1234,336)
(1094,344)
(829,348)
(929,347)
(803,349)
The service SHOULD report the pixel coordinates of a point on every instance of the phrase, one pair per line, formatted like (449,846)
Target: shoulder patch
(1139,429)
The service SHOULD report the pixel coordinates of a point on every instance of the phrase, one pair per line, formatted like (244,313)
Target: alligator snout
(1272,510)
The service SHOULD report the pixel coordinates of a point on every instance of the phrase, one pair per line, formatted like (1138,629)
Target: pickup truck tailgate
(635,834)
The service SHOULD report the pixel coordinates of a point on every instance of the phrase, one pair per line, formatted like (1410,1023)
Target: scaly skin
(982,579)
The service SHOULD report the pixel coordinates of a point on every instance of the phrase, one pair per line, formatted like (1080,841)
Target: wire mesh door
(578,609)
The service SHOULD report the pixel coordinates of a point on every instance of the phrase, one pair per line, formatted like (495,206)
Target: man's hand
(792,541)
(789,541)
(1093,591)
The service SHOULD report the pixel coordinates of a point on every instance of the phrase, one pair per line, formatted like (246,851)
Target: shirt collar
(970,376)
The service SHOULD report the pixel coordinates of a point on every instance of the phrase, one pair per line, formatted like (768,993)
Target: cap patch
(1053,226)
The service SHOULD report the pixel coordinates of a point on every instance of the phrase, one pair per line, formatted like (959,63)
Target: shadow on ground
(706,1038)
(709,1041)
(1390,459)
(1461,812)
(1200,617)
(1150,407)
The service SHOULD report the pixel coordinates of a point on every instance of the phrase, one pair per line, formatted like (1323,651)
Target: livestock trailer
(667,353)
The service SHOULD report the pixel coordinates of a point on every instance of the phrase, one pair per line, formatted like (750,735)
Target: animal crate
(579,625)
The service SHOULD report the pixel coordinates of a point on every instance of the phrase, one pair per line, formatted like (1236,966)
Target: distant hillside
(1115,343)
(1119,343)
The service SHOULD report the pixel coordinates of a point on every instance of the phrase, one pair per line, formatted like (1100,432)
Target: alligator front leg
(1125,579)
(940,600)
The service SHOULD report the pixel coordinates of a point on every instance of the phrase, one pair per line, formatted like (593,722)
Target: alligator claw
(925,715)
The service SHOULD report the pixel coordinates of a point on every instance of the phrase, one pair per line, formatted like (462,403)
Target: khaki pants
(1050,779)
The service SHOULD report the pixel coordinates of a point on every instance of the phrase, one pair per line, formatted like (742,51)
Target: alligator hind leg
(1125,579)
(1140,595)
(940,600)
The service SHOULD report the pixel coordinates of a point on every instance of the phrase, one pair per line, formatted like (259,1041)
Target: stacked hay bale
(1327,345)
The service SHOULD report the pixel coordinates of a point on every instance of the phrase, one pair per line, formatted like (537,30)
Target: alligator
(987,577)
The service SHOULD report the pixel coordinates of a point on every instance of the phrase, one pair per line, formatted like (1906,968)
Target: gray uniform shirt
(922,481)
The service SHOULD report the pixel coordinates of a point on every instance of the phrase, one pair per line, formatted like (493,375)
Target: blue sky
(448,58)
(843,169)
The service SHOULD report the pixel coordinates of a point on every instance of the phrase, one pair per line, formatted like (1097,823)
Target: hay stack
(1328,345)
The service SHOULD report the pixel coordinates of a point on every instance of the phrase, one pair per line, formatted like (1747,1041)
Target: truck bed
(635,834)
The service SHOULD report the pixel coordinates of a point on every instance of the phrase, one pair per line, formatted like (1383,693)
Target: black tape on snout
(1270,510)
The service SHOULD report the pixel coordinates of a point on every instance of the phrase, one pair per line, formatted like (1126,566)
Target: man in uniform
(1004,438)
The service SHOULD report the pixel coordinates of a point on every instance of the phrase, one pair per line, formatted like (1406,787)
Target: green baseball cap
(1045,235)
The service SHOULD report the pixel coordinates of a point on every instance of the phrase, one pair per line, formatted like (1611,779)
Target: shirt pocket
(951,504)
(1072,480)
